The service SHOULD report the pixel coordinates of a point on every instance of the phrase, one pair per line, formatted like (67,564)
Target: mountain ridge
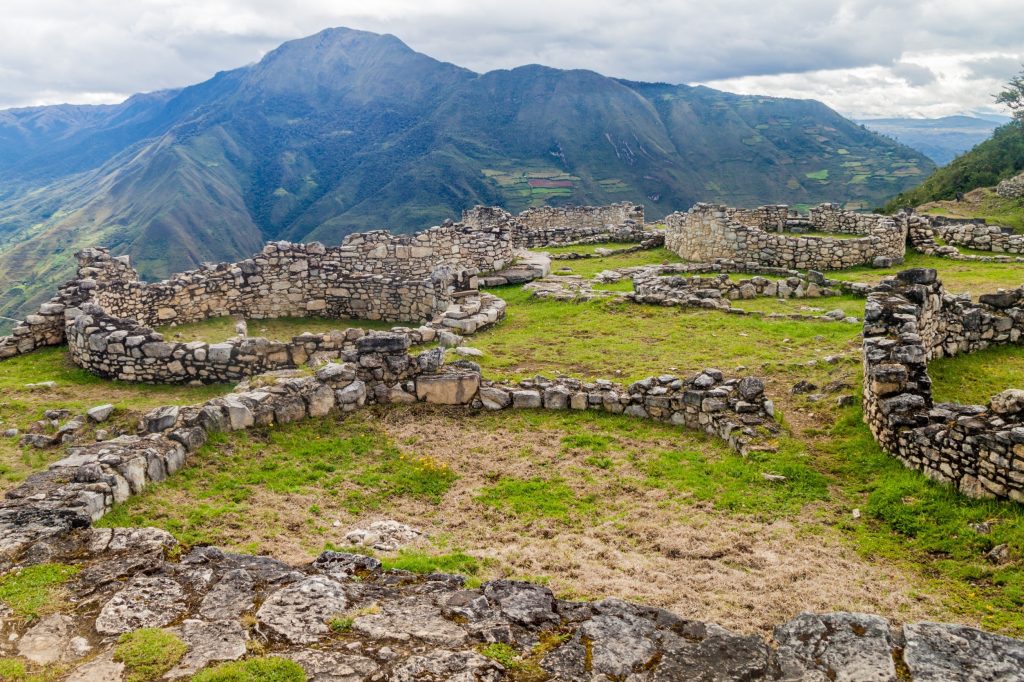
(347,130)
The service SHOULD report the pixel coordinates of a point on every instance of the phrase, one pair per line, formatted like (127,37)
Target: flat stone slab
(411,620)
(209,643)
(300,612)
(147,602)
(53,640)
(836,647)
(939,652)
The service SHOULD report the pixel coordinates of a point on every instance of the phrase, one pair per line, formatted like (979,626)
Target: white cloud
(69,50)
(920,85)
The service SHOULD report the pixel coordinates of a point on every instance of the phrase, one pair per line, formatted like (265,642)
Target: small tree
(1013,96)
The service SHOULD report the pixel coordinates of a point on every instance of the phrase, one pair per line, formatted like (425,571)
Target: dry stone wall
(971,234)
(910,320)
(551,226)
(372,276)
(655,285)
(707,233)
(940,236)
(119,348)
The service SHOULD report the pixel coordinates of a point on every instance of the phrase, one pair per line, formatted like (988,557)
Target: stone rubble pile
(1011,188)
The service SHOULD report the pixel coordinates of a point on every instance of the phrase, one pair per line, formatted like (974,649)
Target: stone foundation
(910,320)
(707,233)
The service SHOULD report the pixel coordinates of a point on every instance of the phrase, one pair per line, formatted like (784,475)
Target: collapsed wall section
(910,320)
(707,233)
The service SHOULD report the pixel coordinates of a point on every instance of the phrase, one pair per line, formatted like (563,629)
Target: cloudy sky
(865,58)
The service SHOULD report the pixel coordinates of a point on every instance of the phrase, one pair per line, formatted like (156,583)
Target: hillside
(347,130)
(940,139)
(998,158)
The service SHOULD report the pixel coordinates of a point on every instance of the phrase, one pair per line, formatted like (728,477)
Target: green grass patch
(148,653)
(625,341)
(588,441)
(852,306)
(416,561)
(76,390)
(588,267)
(12,670)
(986,204)
(263,669)
(974,378)
(538,498)
(817,175)
(503,653)
(739,484)
(35,590)
(583,248)
(622,285)
(929,528)
(351,462)
(958,276)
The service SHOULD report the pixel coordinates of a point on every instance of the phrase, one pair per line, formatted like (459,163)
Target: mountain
(995,159)
(347,130)
(940,139)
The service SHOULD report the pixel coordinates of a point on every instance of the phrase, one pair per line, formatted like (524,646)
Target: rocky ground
(342,618)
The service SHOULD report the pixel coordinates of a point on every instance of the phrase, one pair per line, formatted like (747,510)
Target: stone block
(448,389)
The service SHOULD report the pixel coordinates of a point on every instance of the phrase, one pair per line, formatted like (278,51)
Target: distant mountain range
(940,139)
(997,158)
(347,130)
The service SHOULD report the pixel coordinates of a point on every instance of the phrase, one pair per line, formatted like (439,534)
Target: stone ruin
(431,628)
(940,236)
(769,236)
(401,626)
(554,226)
(910,320)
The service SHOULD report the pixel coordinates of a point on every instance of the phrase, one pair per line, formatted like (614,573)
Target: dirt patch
(650,545)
